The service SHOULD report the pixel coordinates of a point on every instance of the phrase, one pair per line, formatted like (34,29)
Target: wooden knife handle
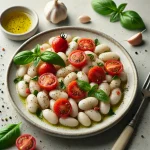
(123,138)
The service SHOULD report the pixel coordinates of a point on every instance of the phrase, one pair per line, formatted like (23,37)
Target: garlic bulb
(55,11)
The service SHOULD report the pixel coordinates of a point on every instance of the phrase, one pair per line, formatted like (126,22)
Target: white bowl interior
(129,67)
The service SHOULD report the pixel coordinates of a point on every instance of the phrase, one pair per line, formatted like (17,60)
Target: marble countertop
(140,55)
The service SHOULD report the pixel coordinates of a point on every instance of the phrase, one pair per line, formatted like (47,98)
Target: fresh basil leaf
(115,78)
(91,56)
(62,85)
(18,79)
(36,61)
(23,58)
(76,40)
(131,20)
(101,95)
(100,64)
(111,112)
(93,90)
(104,7)
(39,113)
(8,135)
(114,17)
(37,50)
(35,78)
(121,7)
(52,58)
(85,86)
(35,92)
(96,41)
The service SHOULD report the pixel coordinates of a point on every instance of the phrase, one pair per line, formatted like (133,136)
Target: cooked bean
(52,104)
(69,38)
(26,78)
(56,94)
(32,107)
(63,56)
(70,77)
(32,71)
(115,96)
(82,76)
(108,56)
(22,70)
(32,99)
(34,86)
(90,55)
(105,87)
(84,119)
(74,105)
(72,46)
(123,76)
(22,87)
(51,40)
(115,83)
(104,108)
(70,122)
(108,78)
(101,48)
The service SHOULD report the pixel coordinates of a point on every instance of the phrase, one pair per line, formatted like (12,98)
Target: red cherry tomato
(28,91)
(113,67)
(60,44)
(96,74)
(26,142)
(48,81)
(77,58)
(86,44)
(46,68)
(62,107)
(74,91)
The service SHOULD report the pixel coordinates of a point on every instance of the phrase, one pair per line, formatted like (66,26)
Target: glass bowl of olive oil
(19,23)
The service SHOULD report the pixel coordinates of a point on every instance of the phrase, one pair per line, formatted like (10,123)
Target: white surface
(75,9)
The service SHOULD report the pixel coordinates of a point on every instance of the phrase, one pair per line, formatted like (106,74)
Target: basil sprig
(8,135)
(35,56)
(128,19)
(93,91)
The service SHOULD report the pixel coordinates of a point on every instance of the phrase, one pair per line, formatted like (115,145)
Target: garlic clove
(84,19)
(135,39)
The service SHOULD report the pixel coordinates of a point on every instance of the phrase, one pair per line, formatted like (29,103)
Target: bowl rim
(34,14)
(69,135)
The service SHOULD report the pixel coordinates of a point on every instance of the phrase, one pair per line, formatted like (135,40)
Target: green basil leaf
(131,20)
(104,7)
(76,40)
(35,78)
(111,112)
(115,78)
(36,61)
(96,41)
(121,7)
(114,17)
(39,113)
(8,135)
(37,50)
(85,86)
(35,92)
(93,90)
(23,58)
(62,85)
(18,79)
(91,56)
(101,95)
(52,58)
(100,64)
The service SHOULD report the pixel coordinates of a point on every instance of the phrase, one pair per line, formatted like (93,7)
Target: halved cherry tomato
(46,68)
(26,142)
(113,67)
(62,107)
(96,74)
(77,58)
(48,81)
(60,44)
(86,44)
(74,91)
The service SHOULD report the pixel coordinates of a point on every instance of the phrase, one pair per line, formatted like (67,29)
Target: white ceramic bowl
(23,36)
(64,132)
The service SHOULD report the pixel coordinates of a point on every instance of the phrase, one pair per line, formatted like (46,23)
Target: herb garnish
(96,41)
(91,56)
(35,78)
(16,80)
(62,85)
(115,77)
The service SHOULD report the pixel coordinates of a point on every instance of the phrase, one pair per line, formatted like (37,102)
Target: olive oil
(17,22)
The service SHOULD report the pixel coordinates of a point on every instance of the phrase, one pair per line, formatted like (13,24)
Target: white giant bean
(63,56)
(44,47)
(22,87)
(52,104)
(33,85)
(32,71)
(56,94)
(70,122)
(90,55)
(115,96)
(93,115)
(84,119)
(70,77)
(51,40)
(101,48)
(123,76)
(109,56)
(74,105)
(105,87)
(32,107)
(104,107)
(76,38)
(69,38)
(82,76)
(22,70)
(26,78)
(88,103)
(43,100)
(32,99)
(115,83)
(72,46)
(92,84)
(108,78)
(50,116)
